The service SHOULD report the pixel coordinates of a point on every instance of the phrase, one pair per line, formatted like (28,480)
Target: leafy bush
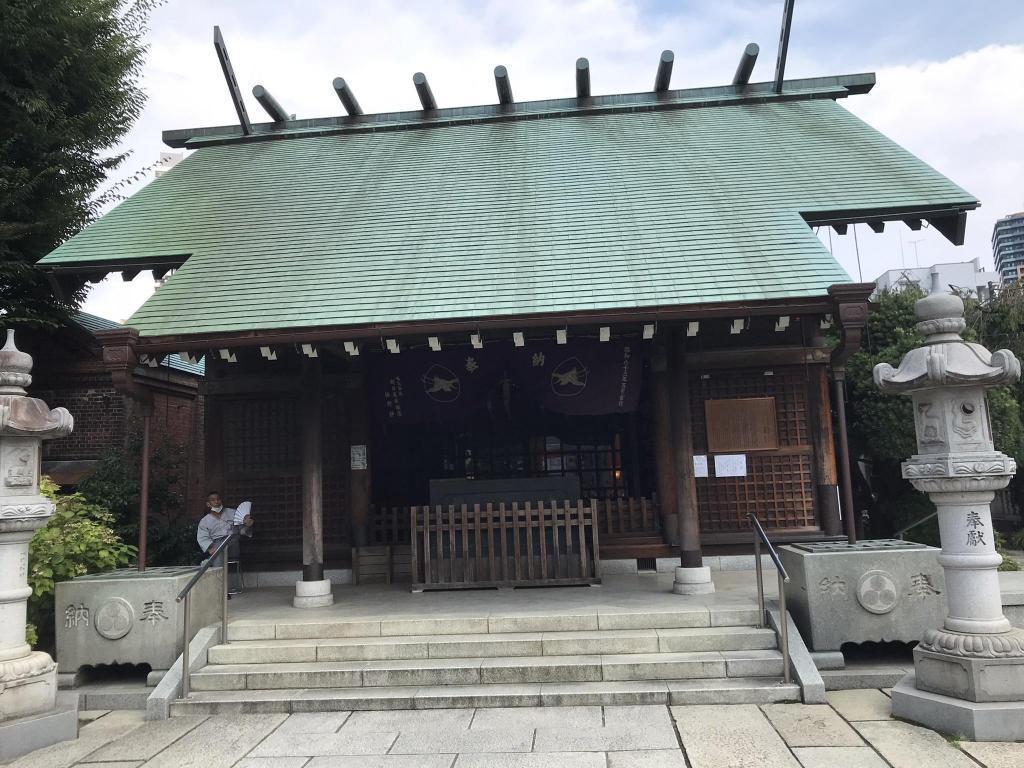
(1009,563)
(78,539)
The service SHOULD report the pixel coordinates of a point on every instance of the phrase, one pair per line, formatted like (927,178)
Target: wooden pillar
(824,446)
(682,434)
(144,488)
(359,478)
(664,450)
(851,300)
(312,473)
(849,514)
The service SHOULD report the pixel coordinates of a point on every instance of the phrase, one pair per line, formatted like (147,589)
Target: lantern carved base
(974,678)
(27,685)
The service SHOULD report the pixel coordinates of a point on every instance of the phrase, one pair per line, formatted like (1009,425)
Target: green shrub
(78,539)
(1009,563)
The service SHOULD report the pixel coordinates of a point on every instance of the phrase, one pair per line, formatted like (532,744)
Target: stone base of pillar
(26,734)
(971,720)
(972,667)
(693,581)
(27,685)
(313,594)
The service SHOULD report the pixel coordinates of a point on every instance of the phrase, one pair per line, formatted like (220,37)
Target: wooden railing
(505,545)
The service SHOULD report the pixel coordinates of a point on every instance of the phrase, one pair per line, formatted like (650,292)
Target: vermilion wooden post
(144,490)
(823,442)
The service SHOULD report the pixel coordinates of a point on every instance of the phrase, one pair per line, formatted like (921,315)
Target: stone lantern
(28,679)
(969,674)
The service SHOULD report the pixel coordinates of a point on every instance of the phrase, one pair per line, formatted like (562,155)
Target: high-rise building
(1008,247)
(167,161)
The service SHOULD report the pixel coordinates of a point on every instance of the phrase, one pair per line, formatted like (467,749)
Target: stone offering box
(881,590)
(127,617)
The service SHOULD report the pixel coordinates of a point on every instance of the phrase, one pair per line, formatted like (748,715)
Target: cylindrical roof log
(348,99)
(664,76)
(746,66)
(424,92)
(269,103)
(503,85)
(582,78)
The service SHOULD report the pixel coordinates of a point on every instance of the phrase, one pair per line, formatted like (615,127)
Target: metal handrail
(925,519)
(759,536)
(222,550)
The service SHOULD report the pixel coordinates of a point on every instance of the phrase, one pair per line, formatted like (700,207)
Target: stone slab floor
(853,730)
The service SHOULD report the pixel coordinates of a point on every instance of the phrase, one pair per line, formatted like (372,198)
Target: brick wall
(68,374)
(179,420)
(99,414)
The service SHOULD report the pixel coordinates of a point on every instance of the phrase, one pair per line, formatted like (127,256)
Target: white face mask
(217,509)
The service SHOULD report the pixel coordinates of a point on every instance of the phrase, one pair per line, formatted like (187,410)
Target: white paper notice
(358,457)
(700,465)
(731,465)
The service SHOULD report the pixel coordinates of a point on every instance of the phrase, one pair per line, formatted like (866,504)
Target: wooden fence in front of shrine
(505,545)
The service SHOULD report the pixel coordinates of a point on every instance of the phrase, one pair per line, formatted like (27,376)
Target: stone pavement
(853,730)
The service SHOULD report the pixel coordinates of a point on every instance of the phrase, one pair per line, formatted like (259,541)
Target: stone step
(676,692)
(508,670)
(725,615)
(591,642)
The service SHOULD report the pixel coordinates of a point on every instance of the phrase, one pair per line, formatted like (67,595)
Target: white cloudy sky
(949,77)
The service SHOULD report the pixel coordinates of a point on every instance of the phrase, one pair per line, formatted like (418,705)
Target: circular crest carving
(876,592)
(114,618)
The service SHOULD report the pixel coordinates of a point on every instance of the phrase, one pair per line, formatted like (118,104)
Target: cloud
(956,114)
(965,118)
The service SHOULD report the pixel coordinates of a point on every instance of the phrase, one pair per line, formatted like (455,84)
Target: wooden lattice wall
(779,484)
(263,463)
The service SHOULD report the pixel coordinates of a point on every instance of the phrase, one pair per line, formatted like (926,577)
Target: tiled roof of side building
(578,212)
(94,323)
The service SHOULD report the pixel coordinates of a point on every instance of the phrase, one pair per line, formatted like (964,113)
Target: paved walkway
(853,731)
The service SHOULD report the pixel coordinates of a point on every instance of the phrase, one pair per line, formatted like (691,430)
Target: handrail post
(760,579)
(784,629)
(224,596)
(186,617)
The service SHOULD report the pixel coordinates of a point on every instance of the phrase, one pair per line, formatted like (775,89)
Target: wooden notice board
(741,424)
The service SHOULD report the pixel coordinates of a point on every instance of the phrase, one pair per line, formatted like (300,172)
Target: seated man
(218,524)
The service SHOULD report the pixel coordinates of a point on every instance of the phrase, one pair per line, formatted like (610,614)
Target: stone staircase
(697,655)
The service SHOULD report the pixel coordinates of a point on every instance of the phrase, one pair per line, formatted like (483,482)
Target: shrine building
(507,343)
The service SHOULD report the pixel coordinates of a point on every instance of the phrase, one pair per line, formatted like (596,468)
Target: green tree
(69,91)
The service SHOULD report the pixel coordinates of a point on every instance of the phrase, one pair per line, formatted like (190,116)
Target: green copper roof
(572,213)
